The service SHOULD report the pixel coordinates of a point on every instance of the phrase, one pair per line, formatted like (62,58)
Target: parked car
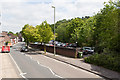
(35,42)
(72,45)
(88,50)
(51,42)
(51,45)
(5,49)
(59,44)
(24,49)
(65,44)
(56,42)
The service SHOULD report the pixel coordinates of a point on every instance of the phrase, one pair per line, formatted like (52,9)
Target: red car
(6,49)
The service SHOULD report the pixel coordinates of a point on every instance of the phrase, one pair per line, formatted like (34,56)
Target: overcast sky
(16,13)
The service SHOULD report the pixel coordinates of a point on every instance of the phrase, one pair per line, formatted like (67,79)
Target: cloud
(17,13)
(26,1)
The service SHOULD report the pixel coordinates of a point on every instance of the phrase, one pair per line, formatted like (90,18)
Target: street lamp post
(76,50)
(54,29)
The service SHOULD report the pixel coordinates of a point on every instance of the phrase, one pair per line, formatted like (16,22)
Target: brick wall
(69,52)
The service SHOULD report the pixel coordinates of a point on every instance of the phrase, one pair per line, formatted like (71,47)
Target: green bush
(110,61)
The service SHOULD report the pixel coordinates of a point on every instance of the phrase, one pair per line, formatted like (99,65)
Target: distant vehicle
(56,42)
(51,42)
(24,49)
(51,45)
(65,44)
(59,44)
(72,45)
(47,44)
(88,50)
(36,43)
(5,49)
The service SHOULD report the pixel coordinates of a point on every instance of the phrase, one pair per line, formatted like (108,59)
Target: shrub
(110,61)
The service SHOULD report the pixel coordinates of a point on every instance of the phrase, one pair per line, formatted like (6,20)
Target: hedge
(110,61)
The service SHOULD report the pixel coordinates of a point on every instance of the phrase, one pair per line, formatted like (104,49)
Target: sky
(16,13)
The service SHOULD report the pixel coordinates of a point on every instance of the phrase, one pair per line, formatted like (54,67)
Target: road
(34,65)
(29,68)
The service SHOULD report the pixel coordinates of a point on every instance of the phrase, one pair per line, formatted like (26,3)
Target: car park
(5,49)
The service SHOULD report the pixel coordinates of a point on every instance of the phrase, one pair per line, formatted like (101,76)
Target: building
(20,39)
(6,38)
(1,40)
(13,38)
(10,38)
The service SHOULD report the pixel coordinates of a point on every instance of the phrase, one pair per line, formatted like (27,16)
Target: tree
(45,31)
(70,29)
(61,32)
(88,31)
(10,32)
(24,34)
(30,34)
(106,31)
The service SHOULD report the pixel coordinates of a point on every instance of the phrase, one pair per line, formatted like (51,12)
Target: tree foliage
(45,31)
(40,33)
(101,31)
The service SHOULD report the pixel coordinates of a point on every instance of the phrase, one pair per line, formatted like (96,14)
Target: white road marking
(62,63)
(71,66)
(30,57)
(38,62)
(45,67)
(50,70)
(21,73)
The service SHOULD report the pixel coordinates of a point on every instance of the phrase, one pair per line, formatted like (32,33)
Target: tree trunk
(27,43)
(44,49)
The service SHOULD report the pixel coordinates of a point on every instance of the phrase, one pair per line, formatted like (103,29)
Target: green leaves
(40,33)
(45,32)
(101,30)
(72,29)
(30,34)
(107,23)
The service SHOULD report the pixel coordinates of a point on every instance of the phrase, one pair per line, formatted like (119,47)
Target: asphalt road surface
(40,66)
(29,68)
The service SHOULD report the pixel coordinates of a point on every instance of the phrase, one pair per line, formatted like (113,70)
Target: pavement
(7,67)
(79,63)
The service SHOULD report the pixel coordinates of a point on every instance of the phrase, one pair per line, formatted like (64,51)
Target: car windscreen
(87,48)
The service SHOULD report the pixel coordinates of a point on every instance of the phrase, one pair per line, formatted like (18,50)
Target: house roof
(6,37)
(12,36)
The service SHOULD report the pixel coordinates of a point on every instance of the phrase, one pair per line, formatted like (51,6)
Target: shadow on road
(32,52)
